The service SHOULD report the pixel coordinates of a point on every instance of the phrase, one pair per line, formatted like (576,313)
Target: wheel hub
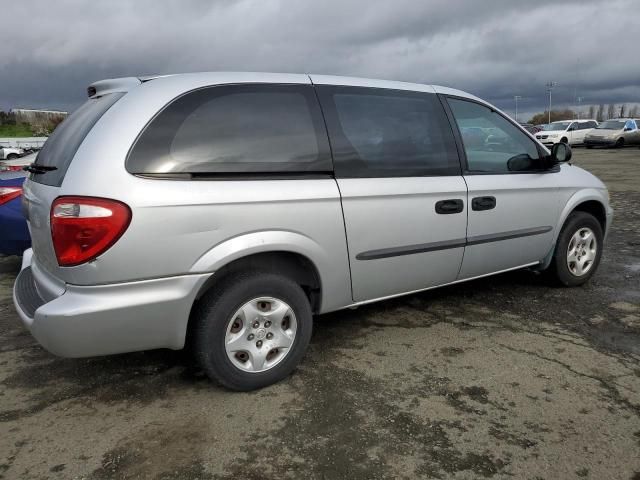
(260,334)
(582,251)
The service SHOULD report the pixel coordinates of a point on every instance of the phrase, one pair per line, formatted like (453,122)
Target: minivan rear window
(61,146)
(234,130)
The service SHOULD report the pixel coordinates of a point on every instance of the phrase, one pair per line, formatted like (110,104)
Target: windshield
(556,126)
(611,125)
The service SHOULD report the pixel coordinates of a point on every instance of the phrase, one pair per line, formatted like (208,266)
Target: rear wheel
(578,249)
(253,330)
(589,146)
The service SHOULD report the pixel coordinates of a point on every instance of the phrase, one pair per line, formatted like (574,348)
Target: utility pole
(550,86)
(516,98)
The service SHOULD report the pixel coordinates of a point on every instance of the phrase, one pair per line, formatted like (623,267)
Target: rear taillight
(84,227)
(11,168)
(9,193)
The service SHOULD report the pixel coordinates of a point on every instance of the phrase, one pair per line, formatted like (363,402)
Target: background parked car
(615,133)
(14,234)
(532,129)
(17,163)
(9,153)
(566,131)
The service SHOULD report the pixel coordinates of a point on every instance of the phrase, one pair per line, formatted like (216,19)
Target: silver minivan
(224,210)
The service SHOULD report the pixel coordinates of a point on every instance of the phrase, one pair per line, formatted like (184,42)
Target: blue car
(14,234)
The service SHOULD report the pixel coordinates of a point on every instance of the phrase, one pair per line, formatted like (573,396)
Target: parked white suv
(566,131)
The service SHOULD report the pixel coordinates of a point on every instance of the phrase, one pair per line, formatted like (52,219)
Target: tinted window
(388,133)
(491,142)
(235,129)
(61,146)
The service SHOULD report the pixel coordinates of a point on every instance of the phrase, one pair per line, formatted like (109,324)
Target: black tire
(214,312)
(559,267)
(619,143)
(589,146)
(564,140)
(12,156)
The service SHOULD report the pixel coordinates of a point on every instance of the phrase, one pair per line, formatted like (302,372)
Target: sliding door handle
(447,207)
(483,203)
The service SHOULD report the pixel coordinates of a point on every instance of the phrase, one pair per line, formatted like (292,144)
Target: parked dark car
(532,129)
(14,234)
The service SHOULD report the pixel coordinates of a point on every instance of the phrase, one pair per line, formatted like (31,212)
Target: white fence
(23,142)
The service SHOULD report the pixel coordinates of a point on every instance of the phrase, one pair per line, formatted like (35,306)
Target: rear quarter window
(235,129)
(60,148)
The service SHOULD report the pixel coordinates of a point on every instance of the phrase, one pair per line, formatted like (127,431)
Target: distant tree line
(599,112)
(40,128)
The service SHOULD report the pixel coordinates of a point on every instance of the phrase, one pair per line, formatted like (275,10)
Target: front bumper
(549,141)
(85,321)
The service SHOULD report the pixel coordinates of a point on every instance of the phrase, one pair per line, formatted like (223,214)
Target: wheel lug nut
(250,337)
(256,324)
(267,323)
(259,343)
(269,335)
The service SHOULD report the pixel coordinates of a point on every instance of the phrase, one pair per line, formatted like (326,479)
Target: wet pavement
(505,377)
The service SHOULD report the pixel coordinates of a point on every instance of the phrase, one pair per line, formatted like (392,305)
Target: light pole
(516,98)
(579,102)
(550,86)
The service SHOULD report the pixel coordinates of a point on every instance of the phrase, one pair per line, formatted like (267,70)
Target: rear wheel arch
(295,266)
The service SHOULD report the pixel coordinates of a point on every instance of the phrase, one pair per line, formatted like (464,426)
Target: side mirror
(560,152)
(570,129)
(627,129)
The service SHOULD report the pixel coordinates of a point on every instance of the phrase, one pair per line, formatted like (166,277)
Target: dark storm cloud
(495,49)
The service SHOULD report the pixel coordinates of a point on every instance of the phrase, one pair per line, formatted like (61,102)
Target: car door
(403,195)
(514,203)
(630,133)
(573,133)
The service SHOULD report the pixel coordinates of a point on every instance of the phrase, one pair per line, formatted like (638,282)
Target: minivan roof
(124,84)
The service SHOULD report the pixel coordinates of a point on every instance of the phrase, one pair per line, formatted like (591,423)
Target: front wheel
(578,249)
(619,143)
(12,156)
(253,330)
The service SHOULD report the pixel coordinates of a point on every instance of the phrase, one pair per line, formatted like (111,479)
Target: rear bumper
(85,321)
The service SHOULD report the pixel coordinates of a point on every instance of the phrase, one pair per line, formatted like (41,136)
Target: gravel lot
(502,377)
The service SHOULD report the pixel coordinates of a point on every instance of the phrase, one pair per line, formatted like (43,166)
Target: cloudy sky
(493,48)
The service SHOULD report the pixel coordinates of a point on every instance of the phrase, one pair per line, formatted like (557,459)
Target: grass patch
(15,131)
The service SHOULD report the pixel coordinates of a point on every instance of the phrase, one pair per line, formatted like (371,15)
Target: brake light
(84,227)
(12,168)
(9,193)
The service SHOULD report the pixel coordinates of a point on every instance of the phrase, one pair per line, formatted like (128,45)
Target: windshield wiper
(35,168)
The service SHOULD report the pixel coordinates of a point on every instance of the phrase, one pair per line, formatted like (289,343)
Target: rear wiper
(35,168)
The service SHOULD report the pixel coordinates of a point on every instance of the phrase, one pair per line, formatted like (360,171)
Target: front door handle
(447,207)
(483,203)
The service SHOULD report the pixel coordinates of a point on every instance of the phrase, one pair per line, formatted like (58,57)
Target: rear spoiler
(112,85)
